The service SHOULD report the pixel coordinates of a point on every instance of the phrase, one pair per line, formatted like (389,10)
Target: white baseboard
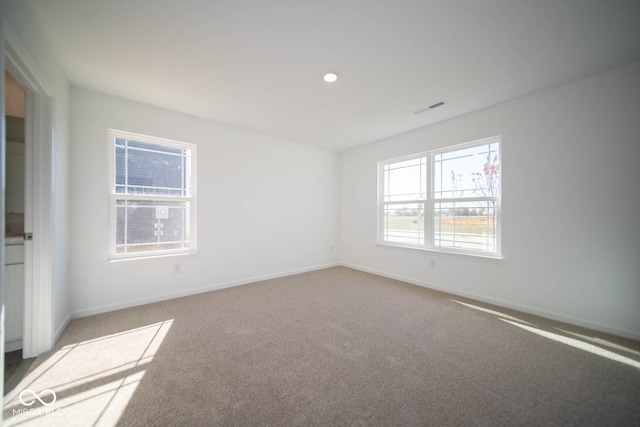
(13,345)
(496,301)
(163,297)
(60,329)
(635,335)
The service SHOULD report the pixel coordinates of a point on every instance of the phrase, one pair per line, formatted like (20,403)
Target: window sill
(439,252)
(152,258)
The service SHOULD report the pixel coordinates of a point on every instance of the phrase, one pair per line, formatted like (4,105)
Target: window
(446,200)
(152,196)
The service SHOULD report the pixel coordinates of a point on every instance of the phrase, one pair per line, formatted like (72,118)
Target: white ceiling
(258,64)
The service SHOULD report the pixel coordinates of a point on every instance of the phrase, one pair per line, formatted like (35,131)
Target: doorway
(15,192)
(15,365)
(38,335)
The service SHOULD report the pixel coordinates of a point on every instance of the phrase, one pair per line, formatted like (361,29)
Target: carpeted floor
(330,347)
(15,368)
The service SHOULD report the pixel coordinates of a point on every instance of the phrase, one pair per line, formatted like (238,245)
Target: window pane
(404,223)
(405,180)
(143,168)
(120,169)
(466,225)
(151,226)
(470,172)
(155,147)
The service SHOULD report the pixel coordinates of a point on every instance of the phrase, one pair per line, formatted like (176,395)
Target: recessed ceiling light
(330,76)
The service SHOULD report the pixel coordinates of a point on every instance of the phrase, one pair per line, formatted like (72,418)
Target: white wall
(266,206)
(571,205)
(21,22)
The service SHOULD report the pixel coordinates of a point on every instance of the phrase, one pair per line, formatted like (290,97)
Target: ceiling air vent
(429,107)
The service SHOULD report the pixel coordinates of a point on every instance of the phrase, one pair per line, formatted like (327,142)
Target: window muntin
(444,200)
(470,226)
(143,168)
(404,223)
(467,172)
(405,180)
(152,196)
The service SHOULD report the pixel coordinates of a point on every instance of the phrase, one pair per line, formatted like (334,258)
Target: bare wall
(570,234)
(266,206)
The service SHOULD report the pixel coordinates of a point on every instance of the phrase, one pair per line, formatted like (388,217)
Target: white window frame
(429,202)
(113,196)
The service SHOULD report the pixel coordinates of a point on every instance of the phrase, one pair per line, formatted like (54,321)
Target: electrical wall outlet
(177,268)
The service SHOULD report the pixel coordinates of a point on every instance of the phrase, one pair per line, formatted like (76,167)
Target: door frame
(38,334)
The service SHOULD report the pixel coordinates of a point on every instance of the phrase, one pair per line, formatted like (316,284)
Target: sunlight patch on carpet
(602,342)
(92,381)
(486,310)
(578,344)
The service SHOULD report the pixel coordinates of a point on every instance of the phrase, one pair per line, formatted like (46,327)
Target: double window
(152,196)
(446,200)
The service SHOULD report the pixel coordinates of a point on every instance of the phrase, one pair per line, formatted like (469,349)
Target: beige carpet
(330,347)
